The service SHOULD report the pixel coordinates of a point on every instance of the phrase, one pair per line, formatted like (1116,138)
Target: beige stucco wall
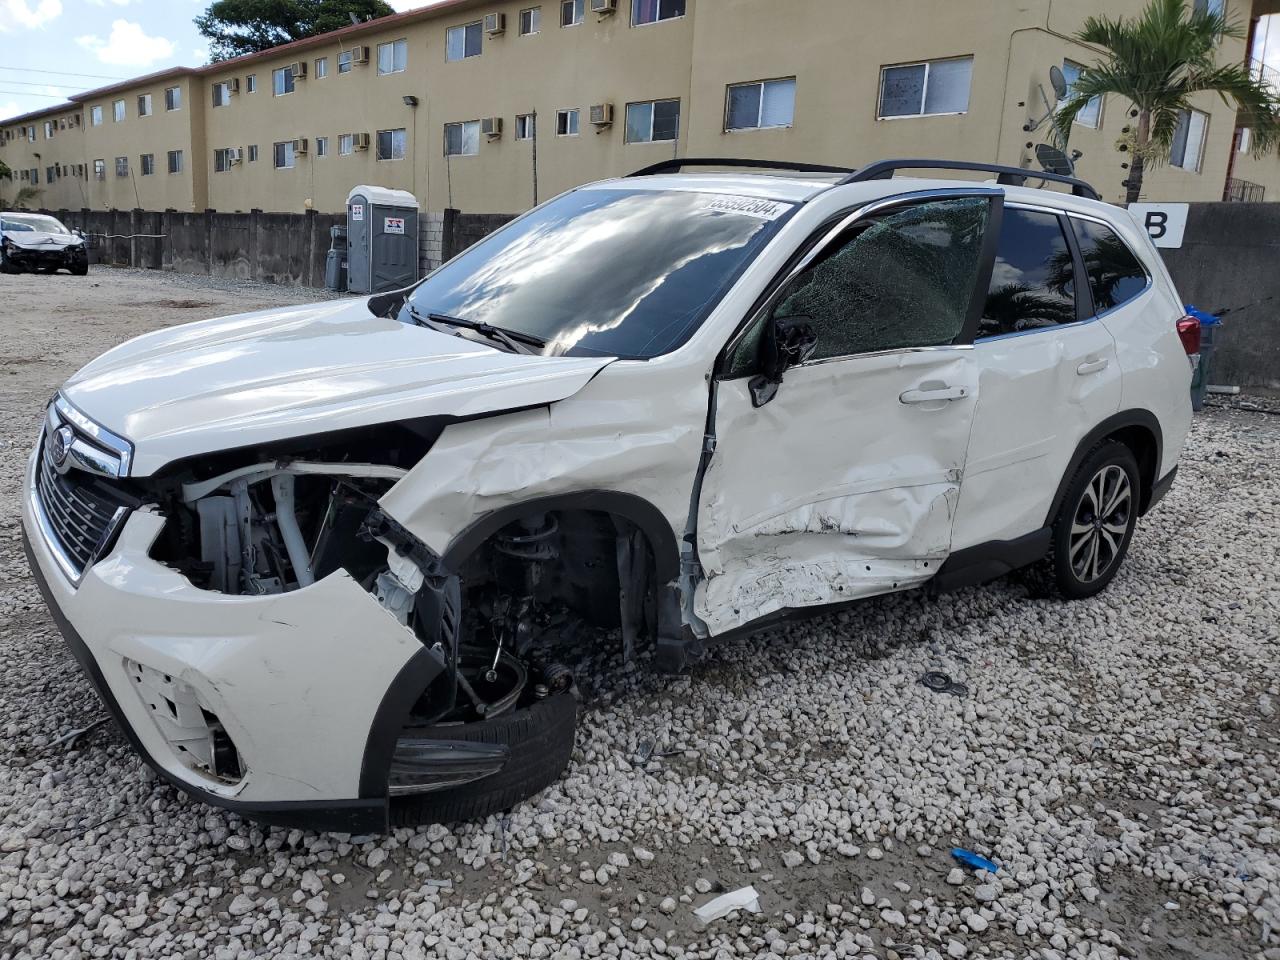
(64,148)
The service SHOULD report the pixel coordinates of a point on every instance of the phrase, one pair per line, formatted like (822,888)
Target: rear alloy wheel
(1095,523)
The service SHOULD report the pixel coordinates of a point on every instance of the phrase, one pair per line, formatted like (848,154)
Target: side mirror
(787,342)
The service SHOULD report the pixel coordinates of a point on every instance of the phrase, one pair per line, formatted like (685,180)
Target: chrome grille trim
(78,517)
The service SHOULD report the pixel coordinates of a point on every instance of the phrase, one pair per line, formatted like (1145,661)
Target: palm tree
(1158,62)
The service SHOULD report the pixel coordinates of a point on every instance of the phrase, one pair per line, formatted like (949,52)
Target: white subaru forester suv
(332,564)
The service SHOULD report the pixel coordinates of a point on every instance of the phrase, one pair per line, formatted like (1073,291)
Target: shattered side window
(901,280)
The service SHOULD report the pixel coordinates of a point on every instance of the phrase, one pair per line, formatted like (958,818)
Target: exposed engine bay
(506,626)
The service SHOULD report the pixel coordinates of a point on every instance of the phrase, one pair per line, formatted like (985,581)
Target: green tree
(237,27)
(1158,62)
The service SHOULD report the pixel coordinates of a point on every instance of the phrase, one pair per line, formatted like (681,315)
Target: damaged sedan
(335,565)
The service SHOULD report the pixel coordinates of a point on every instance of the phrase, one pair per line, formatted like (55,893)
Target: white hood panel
(277,374)
(42,241)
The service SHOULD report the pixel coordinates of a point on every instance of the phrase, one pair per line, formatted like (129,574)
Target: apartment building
(491,105)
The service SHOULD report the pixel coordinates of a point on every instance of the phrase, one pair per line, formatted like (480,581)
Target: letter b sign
(1165,223)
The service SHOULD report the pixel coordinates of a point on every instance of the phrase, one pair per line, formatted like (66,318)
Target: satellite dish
(1058,82)
(1053,160)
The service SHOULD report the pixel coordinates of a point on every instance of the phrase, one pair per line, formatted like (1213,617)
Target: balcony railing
(1265,74)
(1243,191)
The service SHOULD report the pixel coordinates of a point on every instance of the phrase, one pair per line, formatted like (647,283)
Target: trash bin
(382,237)
(335,264)
(1209,325)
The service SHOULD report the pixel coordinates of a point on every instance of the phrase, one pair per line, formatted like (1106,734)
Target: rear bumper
(311,688)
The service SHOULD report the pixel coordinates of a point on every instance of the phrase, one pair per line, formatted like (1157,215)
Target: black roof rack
(1009,176)
(679,163)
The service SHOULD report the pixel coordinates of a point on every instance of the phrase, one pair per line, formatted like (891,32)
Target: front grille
(80,513)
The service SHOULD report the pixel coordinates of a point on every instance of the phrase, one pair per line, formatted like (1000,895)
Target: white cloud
(200,56)
(28,13)
(127,46)
(118,3)
(10,109)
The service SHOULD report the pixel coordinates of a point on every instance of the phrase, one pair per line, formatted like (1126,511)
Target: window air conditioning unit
(495,23)
(491,127)
(298,69)
(604,7)
(360,55)
(602,113)
(235,155)
(300,147)
(360,141)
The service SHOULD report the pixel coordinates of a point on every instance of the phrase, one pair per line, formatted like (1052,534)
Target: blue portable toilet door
(394,238)
(358,248)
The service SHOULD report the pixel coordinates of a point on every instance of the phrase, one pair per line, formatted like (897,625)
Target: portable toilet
(382,239)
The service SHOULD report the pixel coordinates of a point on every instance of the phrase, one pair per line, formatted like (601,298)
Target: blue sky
(55,48)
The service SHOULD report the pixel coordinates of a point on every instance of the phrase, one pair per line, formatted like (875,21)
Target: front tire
(7,265)
(1095,523)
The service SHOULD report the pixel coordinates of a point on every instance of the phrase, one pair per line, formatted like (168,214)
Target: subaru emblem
(60,444)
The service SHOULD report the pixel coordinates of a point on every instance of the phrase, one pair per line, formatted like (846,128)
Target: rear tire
(1095,523)
(541,740)
(79,269)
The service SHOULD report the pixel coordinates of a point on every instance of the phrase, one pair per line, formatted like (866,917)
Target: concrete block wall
(430,241)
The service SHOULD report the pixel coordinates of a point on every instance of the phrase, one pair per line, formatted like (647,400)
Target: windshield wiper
(513,340)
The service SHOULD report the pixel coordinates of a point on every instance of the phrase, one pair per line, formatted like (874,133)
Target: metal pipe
(287,518)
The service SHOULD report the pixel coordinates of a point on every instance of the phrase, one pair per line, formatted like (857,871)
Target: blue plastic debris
(974,860)
(1206,319)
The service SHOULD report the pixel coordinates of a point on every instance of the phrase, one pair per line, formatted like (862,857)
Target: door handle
(1092,366)
(929,396)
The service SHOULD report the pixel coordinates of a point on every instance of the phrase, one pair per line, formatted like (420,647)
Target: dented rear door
(845,484)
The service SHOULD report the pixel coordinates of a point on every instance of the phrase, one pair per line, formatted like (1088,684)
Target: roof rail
(679,163)
(1010,176)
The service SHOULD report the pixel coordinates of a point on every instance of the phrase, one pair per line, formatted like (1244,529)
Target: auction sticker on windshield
(750,206)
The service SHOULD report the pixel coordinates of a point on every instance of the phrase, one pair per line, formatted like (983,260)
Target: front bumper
(52,258)
(312,687)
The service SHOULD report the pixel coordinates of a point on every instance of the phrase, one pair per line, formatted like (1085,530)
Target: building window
(346,144)
(48,129)
(322,67)
(651,11)
(175,161)
(99,169)
(393,57)
(1091,115)
(525,125)
(463,41)
(251,83)
(222,159)
(566,123)
(653,120)
(572,12)
(462,139)
(920,89)
(117,111)
(144,105)
(50,174)
(147,164)
(391,144)
(173,98)
(1187,152)
(344,61)
(283,155)
(530,21)
(253,153)
(281,81)
(322,146)
(122,166)
(95,116)
(754,106)
(1202,7)
(221,94)
(1244,140)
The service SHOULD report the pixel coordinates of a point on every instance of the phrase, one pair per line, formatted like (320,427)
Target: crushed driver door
(843,483)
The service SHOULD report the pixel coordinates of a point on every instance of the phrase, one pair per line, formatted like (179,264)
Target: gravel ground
(1118,758)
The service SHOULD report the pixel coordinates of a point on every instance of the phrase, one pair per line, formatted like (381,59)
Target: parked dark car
(33,241)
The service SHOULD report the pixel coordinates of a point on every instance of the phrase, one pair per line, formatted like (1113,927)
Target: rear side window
(1115,273)
(903,280)
(1033,280)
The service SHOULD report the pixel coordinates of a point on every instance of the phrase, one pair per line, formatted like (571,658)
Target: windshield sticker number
(393,225)
(750,206)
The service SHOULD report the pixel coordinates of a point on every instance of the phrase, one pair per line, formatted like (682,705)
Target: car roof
(800,188)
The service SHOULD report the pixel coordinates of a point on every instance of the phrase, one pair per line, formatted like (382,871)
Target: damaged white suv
(332,564)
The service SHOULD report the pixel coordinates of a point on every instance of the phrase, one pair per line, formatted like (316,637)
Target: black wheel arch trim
(650,520)
(357,815)
(1123,420)
(393,712)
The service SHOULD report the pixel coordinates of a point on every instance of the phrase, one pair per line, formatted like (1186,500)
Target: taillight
(1189,334)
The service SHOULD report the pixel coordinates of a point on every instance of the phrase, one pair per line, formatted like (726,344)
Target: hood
(277,374)
(37,238)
